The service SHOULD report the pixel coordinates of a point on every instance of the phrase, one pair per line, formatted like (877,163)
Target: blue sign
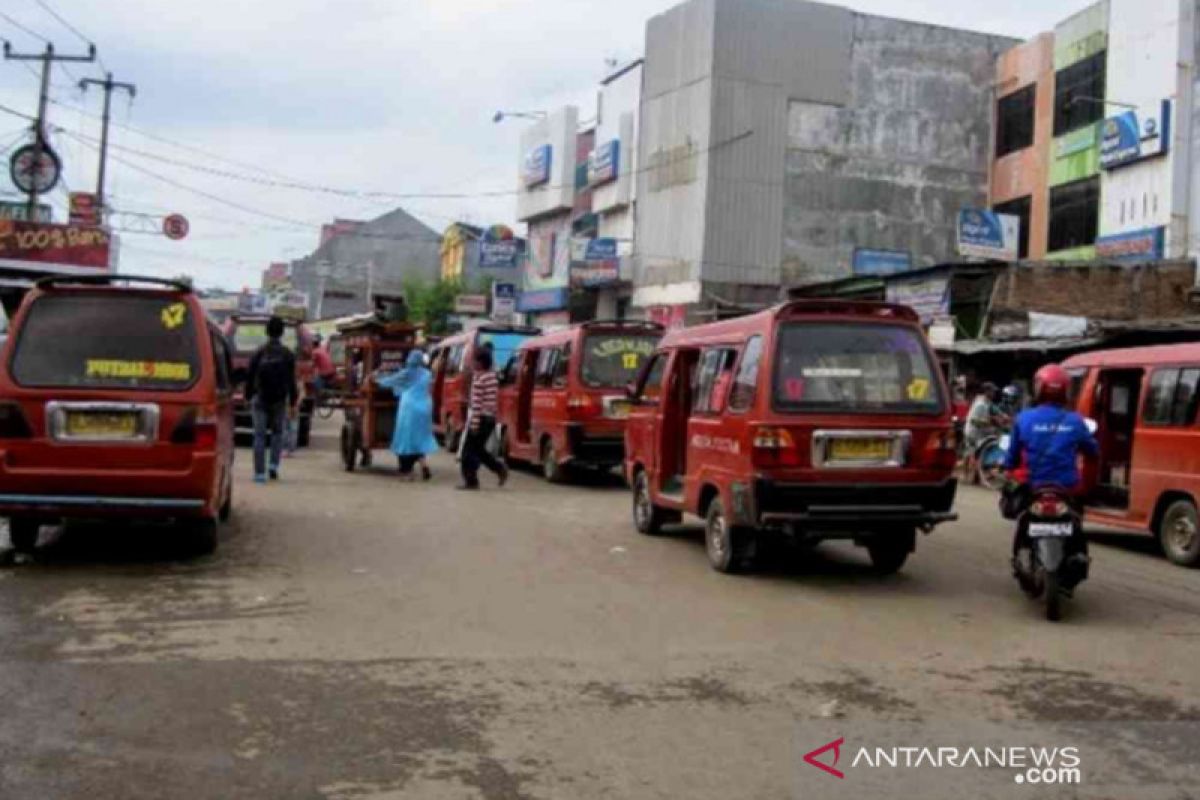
(504,291)
(881,262)
(599,250)
(1135,246)
(499,255)
(536,168)
(543,299)
(986,234)
(1135,135)
(604,163)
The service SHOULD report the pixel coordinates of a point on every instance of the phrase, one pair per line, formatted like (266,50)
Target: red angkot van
(247,333)
(814,419)
(563,400)
(116,400)
(451,360)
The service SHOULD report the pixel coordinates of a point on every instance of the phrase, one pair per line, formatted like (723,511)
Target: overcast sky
(361,95)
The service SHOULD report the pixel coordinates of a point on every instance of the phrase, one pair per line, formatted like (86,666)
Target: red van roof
(1186,353)
(741,327)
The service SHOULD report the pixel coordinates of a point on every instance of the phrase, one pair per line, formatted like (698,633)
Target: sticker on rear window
(832,372)
(918,389)
(174,315)
(154,370)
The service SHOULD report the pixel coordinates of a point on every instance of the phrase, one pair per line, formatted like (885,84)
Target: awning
(968,347)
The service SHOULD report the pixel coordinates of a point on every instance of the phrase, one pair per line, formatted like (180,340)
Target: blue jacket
(1046,440)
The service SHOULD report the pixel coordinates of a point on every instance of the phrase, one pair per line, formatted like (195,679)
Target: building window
(1018,208)
(1074,213)
(1079,94)
(1014,120)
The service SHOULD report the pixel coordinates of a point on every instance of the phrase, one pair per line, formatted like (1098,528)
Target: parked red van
(247,333)
(817,419)
(563,400)
(116,400)
(1147,478)
(451,360)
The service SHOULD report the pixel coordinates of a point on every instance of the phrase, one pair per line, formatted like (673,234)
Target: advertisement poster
(45,247)
(986,234)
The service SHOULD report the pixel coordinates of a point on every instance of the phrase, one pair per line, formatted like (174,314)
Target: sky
(354,96)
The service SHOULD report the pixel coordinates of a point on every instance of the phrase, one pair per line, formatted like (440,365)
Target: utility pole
(47,57)
(108,84)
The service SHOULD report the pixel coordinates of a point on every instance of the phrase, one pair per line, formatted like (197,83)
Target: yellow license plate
(619,410)
(94,424)
(860,449)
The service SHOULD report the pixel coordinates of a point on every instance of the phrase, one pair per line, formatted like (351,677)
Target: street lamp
(500,115)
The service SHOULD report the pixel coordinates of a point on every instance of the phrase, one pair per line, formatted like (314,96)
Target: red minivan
(451,360)
(563,398)
(116,400)
(247,333)
(815,419)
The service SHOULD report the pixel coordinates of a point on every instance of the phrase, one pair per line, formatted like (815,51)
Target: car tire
(304,432)
(227,507)
(890,550)
(1179,533)
(202,536)
(23,533)
(552,470)
(649,518)
(731,548)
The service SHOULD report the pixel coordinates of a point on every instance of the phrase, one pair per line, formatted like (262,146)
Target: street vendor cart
(370,344)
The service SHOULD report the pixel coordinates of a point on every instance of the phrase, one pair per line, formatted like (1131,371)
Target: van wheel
(889,550)
(1179,533)
(227,507)
(23,532)
(552,471)
(730,547)
(303,431)
(647,517)
(202,536)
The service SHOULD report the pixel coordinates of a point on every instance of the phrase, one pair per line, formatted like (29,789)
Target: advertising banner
(83,209)
(986,234)
(543,299)
(44,247)
(19,210)
(604,163)
(1135,135)
(1143,245)
(929,297)
(881,262)
(499,255)
(504,301)
(595,262)
(535,170)
(471,304)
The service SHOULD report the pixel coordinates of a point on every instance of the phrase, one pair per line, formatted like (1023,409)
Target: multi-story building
(787,142)
(1095,132)
(460,252)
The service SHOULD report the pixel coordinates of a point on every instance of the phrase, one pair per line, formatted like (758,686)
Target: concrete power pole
(108,85)
(47,57)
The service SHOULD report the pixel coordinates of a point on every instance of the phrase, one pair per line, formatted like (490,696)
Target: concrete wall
(1187,183)
(1024,173)
(890,168)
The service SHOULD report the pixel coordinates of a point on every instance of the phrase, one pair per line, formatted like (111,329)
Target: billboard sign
(929,297)
(880,262)
(20,211)
(986,234)
(45,247)
(543,299)
(595,262)
(1135,135)
(535,169)
(83,209)
(1135,246)
(604,163)
(471,304)
(504,301)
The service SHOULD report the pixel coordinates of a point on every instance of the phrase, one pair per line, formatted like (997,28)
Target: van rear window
(107,341)
(615,359)
(504,345)
(249,336)
(854,368)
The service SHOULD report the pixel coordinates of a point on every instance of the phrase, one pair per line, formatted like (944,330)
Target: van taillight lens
(941,448)
(773,446)
(197,426)
(581,403)
(13,424)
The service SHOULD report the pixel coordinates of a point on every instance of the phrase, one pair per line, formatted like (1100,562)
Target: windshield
(148,343)
(249,336)
(855,368)
(504,345)
(615,359)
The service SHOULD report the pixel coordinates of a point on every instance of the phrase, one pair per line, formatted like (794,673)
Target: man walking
(484,388)
(272,393)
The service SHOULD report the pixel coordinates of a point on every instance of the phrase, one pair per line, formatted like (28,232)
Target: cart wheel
(349,447)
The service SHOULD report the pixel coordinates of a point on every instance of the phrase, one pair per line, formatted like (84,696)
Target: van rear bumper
(592,448)
(852,506)
(63,505)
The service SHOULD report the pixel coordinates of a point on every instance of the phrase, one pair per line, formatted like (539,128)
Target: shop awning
(968,347)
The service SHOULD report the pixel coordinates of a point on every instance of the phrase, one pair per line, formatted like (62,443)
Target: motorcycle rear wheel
(1054,596)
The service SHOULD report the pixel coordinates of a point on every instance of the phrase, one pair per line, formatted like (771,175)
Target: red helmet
(1050,385)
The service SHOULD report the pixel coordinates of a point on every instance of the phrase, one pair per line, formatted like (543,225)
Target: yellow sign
(918,389)
(154,370)
(173,316)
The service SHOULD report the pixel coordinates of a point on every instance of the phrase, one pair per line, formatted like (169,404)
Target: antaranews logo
(836,746)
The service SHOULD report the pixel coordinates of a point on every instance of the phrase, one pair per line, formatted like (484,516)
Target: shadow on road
(115,543)
(1142,543)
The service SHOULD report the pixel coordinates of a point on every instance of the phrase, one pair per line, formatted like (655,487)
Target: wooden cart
(370,410)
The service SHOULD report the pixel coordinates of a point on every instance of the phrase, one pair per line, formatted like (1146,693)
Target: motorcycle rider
(1045,442)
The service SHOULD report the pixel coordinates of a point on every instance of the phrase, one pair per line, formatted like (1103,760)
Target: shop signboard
(499,255)
(535,169)
(595,262)
(504,301)
(45,247)
(83,209)
(986,234)
(880,262)
(1143,245)
(929,297)
(543,299)
(1134,135)
(20,211)
(476,304)
(604,163)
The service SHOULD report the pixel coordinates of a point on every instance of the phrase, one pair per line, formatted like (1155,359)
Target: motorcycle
(989,458)
(1051,556)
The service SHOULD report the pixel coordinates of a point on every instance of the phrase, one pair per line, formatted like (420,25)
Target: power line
(23,28)
(46,7)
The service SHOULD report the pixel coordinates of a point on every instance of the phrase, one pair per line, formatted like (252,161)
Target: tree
(431,304)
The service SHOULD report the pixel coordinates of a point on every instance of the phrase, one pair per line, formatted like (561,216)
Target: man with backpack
(272,393)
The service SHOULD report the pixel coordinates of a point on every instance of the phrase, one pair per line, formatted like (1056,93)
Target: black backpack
(275,371)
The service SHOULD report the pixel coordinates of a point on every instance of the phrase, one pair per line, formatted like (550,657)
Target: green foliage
(431,304)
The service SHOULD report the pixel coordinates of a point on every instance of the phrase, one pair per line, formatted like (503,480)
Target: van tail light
(774,447)
(581,404)
(941,449)
(1049,506)
(197,426)
(13,424)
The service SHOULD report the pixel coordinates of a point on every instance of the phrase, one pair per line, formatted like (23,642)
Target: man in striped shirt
(484,388)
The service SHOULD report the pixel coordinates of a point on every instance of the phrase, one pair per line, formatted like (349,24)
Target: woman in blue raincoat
(413,436)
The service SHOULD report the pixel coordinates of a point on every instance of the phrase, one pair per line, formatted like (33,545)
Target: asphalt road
(356,637)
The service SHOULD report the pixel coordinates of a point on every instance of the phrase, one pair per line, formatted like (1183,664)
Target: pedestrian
(272,393)
(412,439)
(482,415)
(323,366)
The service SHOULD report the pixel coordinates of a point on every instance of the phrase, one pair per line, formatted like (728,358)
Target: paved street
(359,637)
